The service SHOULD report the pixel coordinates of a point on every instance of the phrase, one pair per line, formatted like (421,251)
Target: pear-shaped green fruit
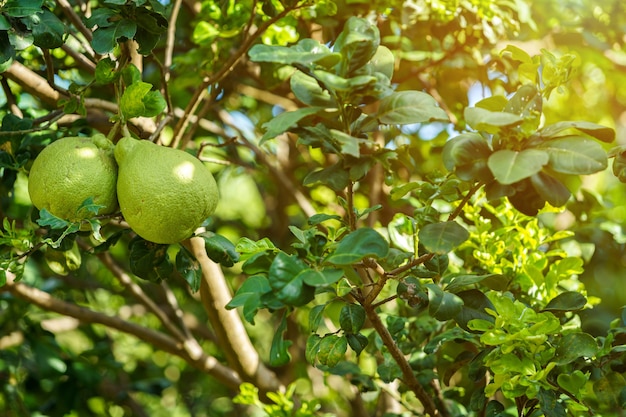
(69,171)
(164,194)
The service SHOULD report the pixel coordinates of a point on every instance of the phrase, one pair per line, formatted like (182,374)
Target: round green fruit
(164,194)
(69,171)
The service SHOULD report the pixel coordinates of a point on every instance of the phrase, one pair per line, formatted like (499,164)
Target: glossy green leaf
(334,176)
(575,155)
(220,249)
(357,342)
(566,301)
(467,156)
(285,121)
(332,349)
(105,71)
(549,404)
(443,305)
(357,43)
(140,100)
(189,268)
(326,276)
(475,303)
(316,315)
(48,30)
(526,102)
(550,189)
(352,318)
(572,382)
(308,91)
(249,296)
(149,261)
(408,107)
(336,83)
(349,145)
(600,132)
(22,8)
(464,282)
(312,348)
(105,38)
(509,166)
(305,53)
(490,121)
(279,353)
(383,61)
(286,276)
(363,242)
(7,51)
(574,346)
(442,237)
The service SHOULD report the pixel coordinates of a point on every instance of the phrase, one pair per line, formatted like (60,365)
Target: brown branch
(409,378)
(75,19)
(227,324)
(45,301)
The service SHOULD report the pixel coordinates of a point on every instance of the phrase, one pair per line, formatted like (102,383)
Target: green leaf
(336,83)
(285,121)
(357,44)
(308,91)
(576,155)
(138,100)
(443,305)
(315,316)
(509,166)
(490,121)
(286,276)
(305,53)
(572,382)
(362,243)
(334,176)
(573,346)
(249,296)
(48,219)
(349,145)
(461,282)
(105,71)
(608,390)
(408,107)
(105,38)
(332,350)
(326,276)
(550,406)
(149,260)
(312,348)
(189,268)
(279,353)
(566,301)
(550,189)
(47,29)
(7,51)
(467,155)
(357,342)
(602,133)
(352,318)
(475,303)
(220,249)
(383,61)
(442,237)
(22,8)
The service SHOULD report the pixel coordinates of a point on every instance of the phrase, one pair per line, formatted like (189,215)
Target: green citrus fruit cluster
(70,170)
(164,194)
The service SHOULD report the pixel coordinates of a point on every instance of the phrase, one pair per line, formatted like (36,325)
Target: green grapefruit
(69,171)
(164,194)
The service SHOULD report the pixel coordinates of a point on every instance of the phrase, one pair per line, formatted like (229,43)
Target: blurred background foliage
(452,49)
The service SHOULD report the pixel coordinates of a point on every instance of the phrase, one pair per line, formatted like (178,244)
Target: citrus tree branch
(45,301)
(227,324)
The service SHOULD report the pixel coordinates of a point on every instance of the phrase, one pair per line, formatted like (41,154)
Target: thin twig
(228,66)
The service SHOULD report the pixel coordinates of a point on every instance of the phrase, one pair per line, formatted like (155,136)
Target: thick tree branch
(203,362)
(227,324)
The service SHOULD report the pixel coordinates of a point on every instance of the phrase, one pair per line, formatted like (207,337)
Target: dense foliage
(420,209)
